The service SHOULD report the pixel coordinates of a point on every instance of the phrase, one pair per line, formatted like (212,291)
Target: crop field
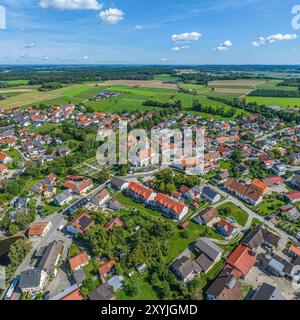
(283,102)
(17,82)
(236,83)
(145,84)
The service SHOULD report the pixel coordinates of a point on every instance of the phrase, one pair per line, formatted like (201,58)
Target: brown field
(235,83)
(16,90)
(146,84)
(27,98)
(232,90)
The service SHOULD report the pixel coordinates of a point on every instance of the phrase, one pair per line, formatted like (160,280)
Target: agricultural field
(268,101)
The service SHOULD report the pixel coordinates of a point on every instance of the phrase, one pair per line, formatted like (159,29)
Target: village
(230,233)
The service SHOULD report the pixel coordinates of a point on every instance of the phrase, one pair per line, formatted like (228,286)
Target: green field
(17,82)
(283,102)
(235,212)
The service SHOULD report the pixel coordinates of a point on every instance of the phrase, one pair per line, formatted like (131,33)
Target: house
(72,293)
(32,281)
(102,293)
(79,276)
(295,159)
(101,198)
(114,204)
(222,176)
(209,253)
(279,169)
(140,193)
(116,283)
(293,196)
(114,223)
(296,180)
(3,169)
(73,296)
(107,269)
(63,198)
(79,261)
(274,181)
(226,229)
(80,223)
(290,212)
(170,208)
(242,259)
(267,292)
(80,187)
(258,236)
(51,257)
(249,194)
(39,229)
(260,185)
(294,251)
(211,195)
(208,216)
(4,158)
(185,269)
(226,286)
(118,183)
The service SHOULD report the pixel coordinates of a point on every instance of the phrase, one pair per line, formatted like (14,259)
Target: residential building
(140,193)
(208,216)
(293,196)
(242,259)
(63,198)
(79,261)
(267,292)
(211,195)
(226,229)
(107,269)
(114,223)
(290,212)
(80,224)
(32,281)
(185,269)
(51,257)
(118,183)
(168,207)
(114,204)
(226,286)
(39,229)
(4,158)
(101,198)
(102,293)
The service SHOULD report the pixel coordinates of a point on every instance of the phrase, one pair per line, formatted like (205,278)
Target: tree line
(275,93)
(221,111)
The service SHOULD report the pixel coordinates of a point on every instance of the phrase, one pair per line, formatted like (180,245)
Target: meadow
(269,101)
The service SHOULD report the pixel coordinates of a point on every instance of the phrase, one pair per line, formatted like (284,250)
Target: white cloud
(71,4)
(85,58)
(186,37)
(274,38)
(224,46)
(180,48)
(112,16)
(138,27)
(30,45)
(163,59)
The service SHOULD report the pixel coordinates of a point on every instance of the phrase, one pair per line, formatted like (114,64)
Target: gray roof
(116,282)
(30,279)
(206,246)
(63,196)
(185,266)
(204,262)
(102,293)
(48,261)
(118,182)
(268,292)
(79,276)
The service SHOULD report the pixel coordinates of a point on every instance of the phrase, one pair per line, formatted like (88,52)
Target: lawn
(144,289)
(269,206)
(239,215)
(17,82)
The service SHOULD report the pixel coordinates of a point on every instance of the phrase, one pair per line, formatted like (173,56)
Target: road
(273,133)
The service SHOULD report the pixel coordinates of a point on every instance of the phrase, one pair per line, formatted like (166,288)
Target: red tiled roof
(108,266)
(229,228)
(78,260)
(3,167)
(275,180)
(37,229)
(73,296)
(169,203)
(115,222)
(256,183)
(294,195)
(295,250)
(140,190)
(242,259)
(3,156)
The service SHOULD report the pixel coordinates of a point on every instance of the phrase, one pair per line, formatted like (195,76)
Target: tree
(130,288)
(13,229)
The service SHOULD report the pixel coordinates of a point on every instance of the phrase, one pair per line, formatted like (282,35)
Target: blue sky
(150,32)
